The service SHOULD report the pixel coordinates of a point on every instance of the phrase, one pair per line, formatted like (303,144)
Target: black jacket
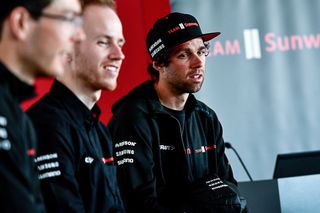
(19,185)
(75,160)
(157,158)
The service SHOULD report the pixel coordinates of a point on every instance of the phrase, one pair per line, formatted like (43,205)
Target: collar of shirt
(189,107)
(16,88)
(78,110)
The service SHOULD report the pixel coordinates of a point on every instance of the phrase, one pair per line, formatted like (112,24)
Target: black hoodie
(75,161)
(19,184)
(157,158)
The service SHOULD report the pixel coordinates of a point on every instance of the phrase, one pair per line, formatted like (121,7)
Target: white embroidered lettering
(125,152)
(50,174)
(88,160)
(5,145)
(48,165)
(167,147)
(125,143)
(3,121)
(46,157)
(125,161)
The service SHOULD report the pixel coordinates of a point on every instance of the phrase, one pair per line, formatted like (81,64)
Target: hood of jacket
(144,90)
(147,92)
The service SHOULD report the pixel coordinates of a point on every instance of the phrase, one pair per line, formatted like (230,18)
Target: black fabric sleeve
(223,165)
(56,165)
(19,185)
(132,139)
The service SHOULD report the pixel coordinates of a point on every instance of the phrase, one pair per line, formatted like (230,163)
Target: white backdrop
(263,76)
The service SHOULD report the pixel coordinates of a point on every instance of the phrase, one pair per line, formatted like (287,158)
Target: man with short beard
(168,145)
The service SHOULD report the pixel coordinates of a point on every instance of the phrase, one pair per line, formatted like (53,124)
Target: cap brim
(209,36)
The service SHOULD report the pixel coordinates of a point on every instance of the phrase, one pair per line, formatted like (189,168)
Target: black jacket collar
(78,110)
(146,91)
(17,89)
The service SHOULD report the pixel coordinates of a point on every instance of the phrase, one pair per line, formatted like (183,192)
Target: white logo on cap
(155,44)
(157,50)
(181,26)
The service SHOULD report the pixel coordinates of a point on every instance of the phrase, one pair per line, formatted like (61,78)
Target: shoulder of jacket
(133,107)
(48,115)
(202,107)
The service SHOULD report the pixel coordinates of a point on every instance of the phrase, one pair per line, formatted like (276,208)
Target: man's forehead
(194,43)
(65,6)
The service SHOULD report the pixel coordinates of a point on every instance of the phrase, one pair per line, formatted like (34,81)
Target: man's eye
(203,52)
(182,55)
(120,44)
(103,43)
(71,16)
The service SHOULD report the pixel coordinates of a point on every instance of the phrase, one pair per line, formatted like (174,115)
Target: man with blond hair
(75,159)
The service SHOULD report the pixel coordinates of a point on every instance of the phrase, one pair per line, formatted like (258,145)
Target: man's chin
(51,71)
(110,87)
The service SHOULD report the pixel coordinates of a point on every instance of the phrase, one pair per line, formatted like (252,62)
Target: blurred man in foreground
(35,35)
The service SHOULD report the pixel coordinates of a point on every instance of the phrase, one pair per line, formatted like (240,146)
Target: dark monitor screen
(297,164)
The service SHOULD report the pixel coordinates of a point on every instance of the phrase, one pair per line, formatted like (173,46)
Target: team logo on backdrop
(252,43)
(255,44)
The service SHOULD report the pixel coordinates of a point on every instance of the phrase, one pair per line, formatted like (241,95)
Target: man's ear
(68,57)
(157,66)
(19,23)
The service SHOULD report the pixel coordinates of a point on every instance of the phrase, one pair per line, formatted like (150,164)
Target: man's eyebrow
(178,50)
(122,40)
(202,47)
(77,13)
(188,49)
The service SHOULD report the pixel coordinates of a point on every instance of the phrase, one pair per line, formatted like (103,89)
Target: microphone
(229,146)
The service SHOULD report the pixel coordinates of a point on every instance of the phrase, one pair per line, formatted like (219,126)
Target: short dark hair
(35,8)
(109,3)
(163,59)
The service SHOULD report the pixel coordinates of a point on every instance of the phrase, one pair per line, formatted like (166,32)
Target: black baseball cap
(172,30)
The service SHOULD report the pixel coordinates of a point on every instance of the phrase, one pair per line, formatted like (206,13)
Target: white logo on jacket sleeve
(167,147)
(3,133)
(46,157)
(125,152)
(125,143)
(125,161)
(216,183)
(88,160)
(3,121)
(5,144)
(48,166)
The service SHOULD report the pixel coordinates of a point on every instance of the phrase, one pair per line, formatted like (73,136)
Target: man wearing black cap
(168,145)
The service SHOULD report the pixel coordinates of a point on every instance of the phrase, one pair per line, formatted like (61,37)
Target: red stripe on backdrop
(137,17)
